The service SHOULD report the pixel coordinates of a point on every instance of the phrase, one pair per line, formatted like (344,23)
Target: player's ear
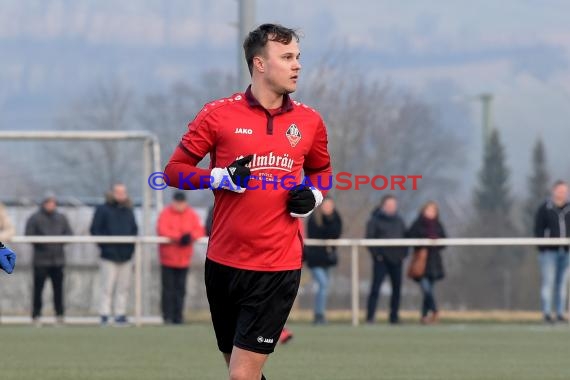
(259,64)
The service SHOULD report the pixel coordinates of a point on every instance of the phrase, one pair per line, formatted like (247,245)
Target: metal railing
(354,245)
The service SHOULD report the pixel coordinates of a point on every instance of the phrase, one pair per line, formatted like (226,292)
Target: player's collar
(253,102)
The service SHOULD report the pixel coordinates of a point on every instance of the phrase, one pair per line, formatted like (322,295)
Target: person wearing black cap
(49,258)
(179,222)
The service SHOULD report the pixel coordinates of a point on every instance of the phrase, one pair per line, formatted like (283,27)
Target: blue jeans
(553,273)
(429,298)
(321,279)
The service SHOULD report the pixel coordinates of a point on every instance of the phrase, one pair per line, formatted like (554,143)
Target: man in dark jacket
(115,217)
(553,220)
(49,259)
(385,223)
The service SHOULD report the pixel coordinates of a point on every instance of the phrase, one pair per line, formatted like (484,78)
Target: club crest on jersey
(293,135)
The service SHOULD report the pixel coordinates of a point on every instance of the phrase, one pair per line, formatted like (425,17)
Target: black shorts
(249,308)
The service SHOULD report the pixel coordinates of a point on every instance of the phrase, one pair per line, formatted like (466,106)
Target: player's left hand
(303,200)
(7,259)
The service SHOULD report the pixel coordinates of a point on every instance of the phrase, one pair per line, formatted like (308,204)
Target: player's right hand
(7,259)
(234,177)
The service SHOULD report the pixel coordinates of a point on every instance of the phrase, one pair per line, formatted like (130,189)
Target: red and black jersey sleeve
(317,166)
(198,141)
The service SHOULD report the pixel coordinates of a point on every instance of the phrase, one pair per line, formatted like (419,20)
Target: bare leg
(245,365)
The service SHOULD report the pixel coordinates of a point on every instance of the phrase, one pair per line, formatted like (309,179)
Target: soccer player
(259,144)
(7,259)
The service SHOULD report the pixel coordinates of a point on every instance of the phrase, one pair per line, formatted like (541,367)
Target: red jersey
(173,224)
(254,230)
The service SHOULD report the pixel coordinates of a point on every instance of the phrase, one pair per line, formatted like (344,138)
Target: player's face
(282,66)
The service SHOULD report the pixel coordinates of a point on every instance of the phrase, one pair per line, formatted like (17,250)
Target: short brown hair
(256,40)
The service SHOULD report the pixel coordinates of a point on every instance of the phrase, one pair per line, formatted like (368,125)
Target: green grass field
(451,351)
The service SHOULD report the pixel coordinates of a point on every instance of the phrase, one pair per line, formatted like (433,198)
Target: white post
(156,167)
(147,228)
(138,284)
(245,25)
(354,284)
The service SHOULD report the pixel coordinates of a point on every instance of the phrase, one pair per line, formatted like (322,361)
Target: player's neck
(266,97)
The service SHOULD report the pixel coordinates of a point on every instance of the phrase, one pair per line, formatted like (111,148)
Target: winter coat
(173,224)
(383,226)
(7,229)
(46,224)
(552,221)
(423,228)
(331,228)
(115,219)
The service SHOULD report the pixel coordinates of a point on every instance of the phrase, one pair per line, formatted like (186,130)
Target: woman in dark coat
(324,223)
(428,226)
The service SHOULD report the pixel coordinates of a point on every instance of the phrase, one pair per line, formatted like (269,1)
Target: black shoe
(548,319)
(394,319)
(561,318)
(320,320)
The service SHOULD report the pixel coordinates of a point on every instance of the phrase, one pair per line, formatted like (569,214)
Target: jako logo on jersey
(260,339)
(293,135)
(243,131)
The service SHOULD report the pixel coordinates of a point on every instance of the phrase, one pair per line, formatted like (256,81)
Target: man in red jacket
(260,144)
(182,225)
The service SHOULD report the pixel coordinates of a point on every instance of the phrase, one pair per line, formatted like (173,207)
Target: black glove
(234,177)
(185,240)
(303,200)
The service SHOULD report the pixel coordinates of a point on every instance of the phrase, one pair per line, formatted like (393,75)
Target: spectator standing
(115,218)
(48,258)
(180,223)
(428,226)
(324,223)
(386,223)
(553,220)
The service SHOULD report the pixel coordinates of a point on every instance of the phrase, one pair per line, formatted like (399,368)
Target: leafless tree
(376,129)
(89,168)
(167,114)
